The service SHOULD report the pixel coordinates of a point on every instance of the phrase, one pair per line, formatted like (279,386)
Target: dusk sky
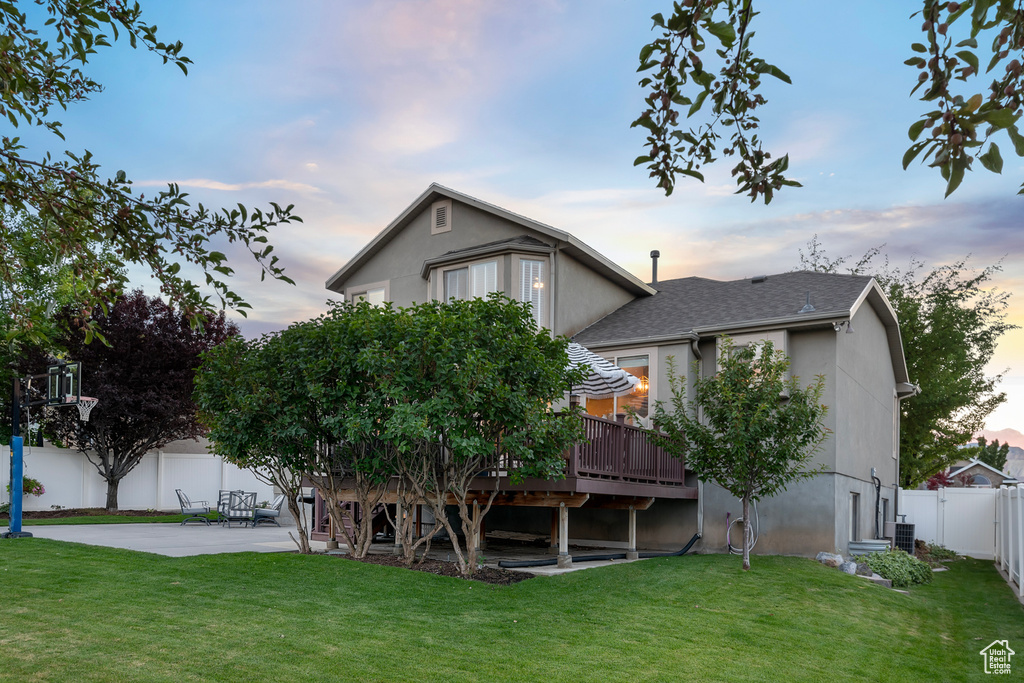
(349,110)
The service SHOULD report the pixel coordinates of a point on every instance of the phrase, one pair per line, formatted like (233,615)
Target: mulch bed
(492,575)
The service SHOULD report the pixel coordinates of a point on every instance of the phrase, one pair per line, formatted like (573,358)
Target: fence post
(1000,550)
(1020,541)
(159,480)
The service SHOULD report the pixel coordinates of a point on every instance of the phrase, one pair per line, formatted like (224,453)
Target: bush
(900,568)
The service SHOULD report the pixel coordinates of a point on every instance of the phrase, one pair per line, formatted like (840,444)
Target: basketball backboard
(64,384)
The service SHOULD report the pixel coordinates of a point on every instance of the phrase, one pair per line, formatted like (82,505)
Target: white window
(532,289)
(375,297)
(477,280)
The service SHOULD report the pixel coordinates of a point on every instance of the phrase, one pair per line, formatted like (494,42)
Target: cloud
(207,184)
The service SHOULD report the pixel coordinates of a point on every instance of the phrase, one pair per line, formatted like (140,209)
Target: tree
(234,392)
(82,213)
(950,319)
(993,454)
(738,430)
(470,385)
(964,114)
(143,380)
(417,402)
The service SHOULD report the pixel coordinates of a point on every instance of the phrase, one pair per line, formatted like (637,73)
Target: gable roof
(975,461)
(568,243)
(691,307)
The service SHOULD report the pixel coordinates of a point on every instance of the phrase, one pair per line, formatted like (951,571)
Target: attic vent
(758,279)
(441,216)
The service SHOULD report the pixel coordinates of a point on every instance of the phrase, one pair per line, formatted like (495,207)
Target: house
(447,244)
(980,474)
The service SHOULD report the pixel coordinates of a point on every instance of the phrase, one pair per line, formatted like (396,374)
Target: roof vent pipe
(654,266)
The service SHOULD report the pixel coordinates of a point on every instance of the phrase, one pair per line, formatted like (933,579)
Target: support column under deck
(631,553)
(564,559)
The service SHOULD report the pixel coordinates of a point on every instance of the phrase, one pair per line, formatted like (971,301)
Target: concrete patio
(174,540)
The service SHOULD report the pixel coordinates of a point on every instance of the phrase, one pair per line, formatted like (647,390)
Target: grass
(80,613)
(104,519)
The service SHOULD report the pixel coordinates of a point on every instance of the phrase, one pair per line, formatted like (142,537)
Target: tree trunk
(300,525)
(112,485)
(746,533)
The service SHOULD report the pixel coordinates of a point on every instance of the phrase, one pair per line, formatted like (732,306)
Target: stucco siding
(798,521)
(813,353)
(865,400)
(582,296)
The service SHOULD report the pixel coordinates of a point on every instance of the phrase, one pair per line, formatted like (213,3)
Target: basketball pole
(17,467)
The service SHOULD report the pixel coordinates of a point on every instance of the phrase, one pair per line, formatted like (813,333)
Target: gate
(961,519)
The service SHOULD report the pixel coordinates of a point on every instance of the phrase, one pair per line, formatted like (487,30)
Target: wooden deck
(617,467)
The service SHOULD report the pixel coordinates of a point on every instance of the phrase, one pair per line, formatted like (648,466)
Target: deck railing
(620,452)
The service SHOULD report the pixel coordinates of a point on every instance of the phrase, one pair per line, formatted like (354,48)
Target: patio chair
(195,508)
(223,499)
(269,514)
(240,507)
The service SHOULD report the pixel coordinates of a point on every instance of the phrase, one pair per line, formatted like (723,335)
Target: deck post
(631,553)
(564,559)
(419,520)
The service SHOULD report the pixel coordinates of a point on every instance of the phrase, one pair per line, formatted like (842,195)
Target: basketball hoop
(85,406)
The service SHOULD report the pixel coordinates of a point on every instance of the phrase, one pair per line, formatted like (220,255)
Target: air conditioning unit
(903,536)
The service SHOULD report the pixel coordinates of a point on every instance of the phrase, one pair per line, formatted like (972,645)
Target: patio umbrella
(604,379)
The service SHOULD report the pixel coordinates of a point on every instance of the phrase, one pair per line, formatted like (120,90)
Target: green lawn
(78,613)
(104,519)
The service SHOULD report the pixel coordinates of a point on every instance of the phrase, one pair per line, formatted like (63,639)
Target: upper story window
(375,297)
(474,281)
(374,293)
(532,287)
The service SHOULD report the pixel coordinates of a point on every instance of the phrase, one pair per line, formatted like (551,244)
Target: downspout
(695,346)
(914,391)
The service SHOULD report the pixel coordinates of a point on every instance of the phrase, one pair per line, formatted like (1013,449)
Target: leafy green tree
(143,378)
(951,319)
(971,90)
(236,394)
(738,431)
(471,384)
(993,454)
(45,51)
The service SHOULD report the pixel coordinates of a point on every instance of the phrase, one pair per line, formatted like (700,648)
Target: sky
(349,110)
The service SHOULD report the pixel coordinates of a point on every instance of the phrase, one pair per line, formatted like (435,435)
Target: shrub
(900,568)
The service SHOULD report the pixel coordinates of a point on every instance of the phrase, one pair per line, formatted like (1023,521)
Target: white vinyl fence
(71,481)
(1010,534)
(961,519)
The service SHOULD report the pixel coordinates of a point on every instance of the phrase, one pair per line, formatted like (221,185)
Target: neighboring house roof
(569,244)
(694,306)
(957,468)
